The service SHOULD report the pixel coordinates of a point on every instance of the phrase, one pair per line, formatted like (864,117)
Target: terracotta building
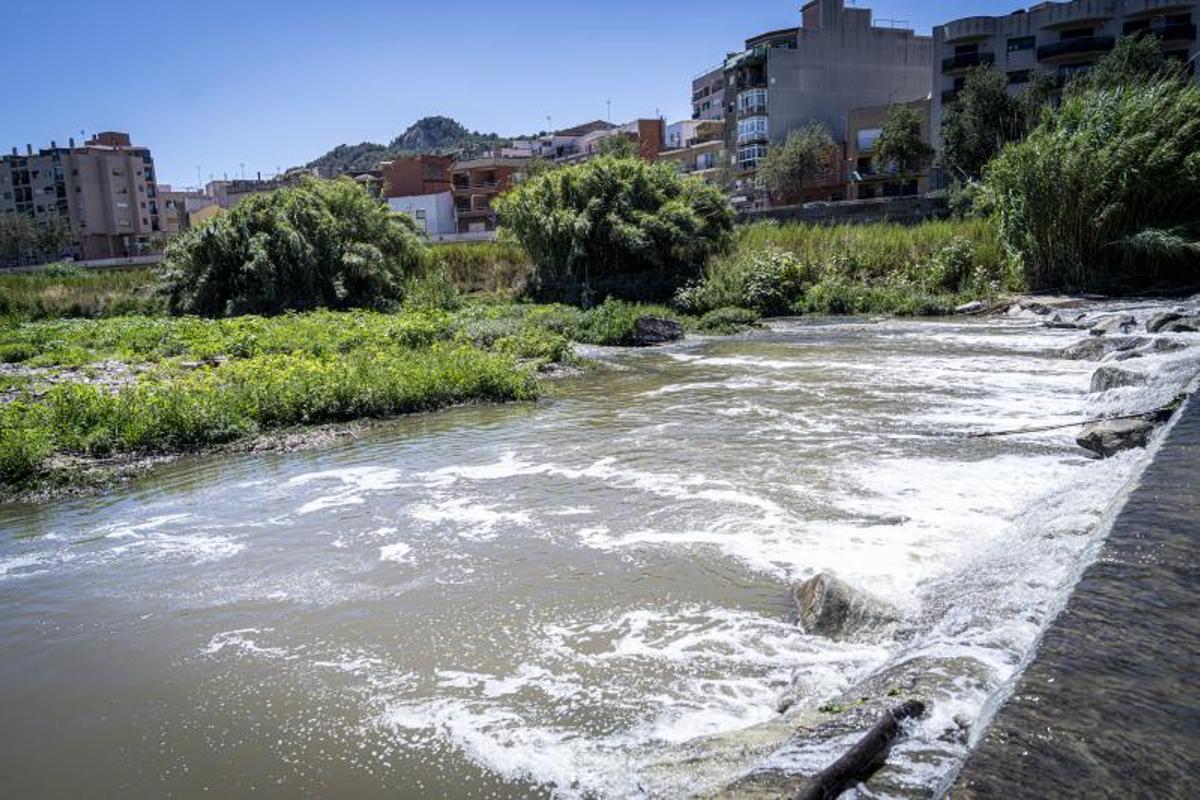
(417,176)
(475,184)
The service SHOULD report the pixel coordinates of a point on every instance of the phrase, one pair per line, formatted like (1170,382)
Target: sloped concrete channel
(1108,707)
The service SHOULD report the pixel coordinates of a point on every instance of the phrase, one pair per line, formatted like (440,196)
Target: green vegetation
(491,267)
(322,244)
(900,142)
(428,135)
(792,166)
(1105,193)
(617,228)
(726,321)
(68,291)
(23,240)
(986,117)
(922,269)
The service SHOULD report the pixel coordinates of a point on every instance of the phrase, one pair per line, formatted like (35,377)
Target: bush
(614,324)
(615,227)
(536,344)
(725,321)
(431,290)
(839,296)
(62,269)
(16,353)
(1105,194)
(322,244)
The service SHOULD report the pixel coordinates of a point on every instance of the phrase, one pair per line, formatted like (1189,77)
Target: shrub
(536,344)
(615,227)
(16,353)
(725,321)
(322,244)
(62,269)
(614,324)
(433,289)
(1105,194)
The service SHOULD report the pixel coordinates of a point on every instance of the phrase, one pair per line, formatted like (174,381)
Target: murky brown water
(554,599)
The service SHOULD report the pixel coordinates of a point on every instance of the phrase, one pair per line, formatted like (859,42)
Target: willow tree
(615,227)
(322,244)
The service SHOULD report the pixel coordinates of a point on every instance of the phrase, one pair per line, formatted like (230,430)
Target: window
(1021,43)
(748,157)
(1077,33)
(1019,76)
(753,99)
(752,128)
(866,138)
(966,49)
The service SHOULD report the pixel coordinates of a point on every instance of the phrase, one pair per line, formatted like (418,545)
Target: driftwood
(862,760)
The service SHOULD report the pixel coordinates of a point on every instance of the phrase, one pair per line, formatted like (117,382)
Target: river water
(558,599)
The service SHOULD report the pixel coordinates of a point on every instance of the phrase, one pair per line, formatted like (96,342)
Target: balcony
(966,61)
(1180,32)
(1074,48)
(756,110)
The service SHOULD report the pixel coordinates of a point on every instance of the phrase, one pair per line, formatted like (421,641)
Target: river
(559,599)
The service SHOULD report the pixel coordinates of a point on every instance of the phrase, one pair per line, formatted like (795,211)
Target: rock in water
(827,606)
(976,307)
(1095,349)
(649,331)
(1110,377)
(1169,345)
(1108,438)
(1183,325)
(1124,324)
(1160,321)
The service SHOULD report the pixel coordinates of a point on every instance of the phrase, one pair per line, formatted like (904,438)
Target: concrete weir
(1108,707)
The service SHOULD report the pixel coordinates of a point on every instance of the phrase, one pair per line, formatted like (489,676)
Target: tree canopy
(793,165)
(985,118)
(900,143)
(322,244)
(615,227)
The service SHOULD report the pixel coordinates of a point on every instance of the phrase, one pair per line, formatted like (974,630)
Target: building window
(751,100)
(748,157)
(752,128)
(1021,43)
(1077,33)
(866,138)
(1019,76)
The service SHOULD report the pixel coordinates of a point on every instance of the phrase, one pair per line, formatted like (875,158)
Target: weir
(1106,708)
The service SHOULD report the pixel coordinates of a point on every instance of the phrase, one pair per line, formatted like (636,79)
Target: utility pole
(608,104)
(243,168)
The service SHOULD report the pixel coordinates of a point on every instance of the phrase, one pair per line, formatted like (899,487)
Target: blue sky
(268,83)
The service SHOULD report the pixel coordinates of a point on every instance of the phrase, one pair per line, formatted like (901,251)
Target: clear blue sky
(275,83)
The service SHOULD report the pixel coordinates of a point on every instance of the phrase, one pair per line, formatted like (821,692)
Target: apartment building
(708,95)
(417,176)
(696,147)
(867,178)
(837,60)
(176,207)
(475,183)
(1061,39)
(105,190)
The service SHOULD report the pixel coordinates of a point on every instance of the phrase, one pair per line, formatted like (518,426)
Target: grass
(201,382)
(51,294)
(852,269)
(488,267)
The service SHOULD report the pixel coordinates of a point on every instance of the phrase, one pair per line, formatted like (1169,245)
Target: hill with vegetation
(429,135)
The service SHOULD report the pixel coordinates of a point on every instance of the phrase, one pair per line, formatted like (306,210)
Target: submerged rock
(1160,321)
(1097,348)
(648,331)
(1110,377)
(1110,437)
(1123,324)
(1169,345)
(828,606)
(1182,325)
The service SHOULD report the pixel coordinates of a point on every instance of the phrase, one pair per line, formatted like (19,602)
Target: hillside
(429,135)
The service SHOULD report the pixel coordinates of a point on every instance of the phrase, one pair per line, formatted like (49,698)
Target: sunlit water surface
(553,599)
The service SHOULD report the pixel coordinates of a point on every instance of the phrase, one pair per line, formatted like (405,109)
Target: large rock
(828,606)
(976,307)
(1182,325)
(1097,348)
(1123,323)
(1169,345)
(648,331)
(1160,321)
(1110,437)
(1110,377)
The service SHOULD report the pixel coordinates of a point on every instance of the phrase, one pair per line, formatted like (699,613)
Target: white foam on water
(397,553)
(355,483)
(241,643)
(23,565)
(468,519)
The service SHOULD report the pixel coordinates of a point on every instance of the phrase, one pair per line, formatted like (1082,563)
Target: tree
(614,227)
(617,146)
(321,244)
(1105,194)
(791,166)
(17,235)
(1135,60)
(900,142)
(981,122)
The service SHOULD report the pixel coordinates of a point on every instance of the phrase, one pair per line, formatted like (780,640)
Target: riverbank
(85,399)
